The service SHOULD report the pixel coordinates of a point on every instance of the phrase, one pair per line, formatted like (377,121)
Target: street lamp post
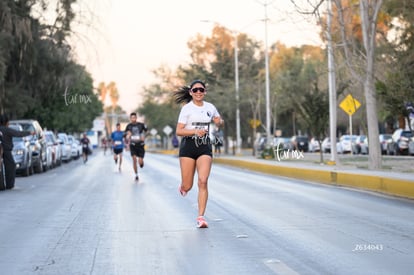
(268,134)
(236,81)
(332,87)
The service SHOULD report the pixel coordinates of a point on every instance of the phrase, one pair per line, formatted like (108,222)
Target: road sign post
(350,105)
(168,130)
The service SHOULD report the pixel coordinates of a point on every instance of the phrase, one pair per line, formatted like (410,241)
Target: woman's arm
(181,131)
(218,121)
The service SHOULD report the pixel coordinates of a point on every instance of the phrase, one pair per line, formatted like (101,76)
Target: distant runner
(117,138)
(135,133)
(85,147)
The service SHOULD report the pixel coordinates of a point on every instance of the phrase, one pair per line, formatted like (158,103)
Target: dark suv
(300,143)
(37,142)
(22,153)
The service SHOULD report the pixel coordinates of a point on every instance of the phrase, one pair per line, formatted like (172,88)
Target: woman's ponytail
(182,95)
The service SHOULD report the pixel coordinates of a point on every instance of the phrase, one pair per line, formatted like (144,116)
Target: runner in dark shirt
(85,147)
(135,133)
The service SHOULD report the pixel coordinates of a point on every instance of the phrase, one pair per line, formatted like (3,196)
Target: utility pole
(332,87)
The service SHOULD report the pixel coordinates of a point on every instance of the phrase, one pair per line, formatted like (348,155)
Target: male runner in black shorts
(117,138)
(135,133)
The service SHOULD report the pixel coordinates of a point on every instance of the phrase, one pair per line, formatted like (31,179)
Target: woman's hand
(200,132)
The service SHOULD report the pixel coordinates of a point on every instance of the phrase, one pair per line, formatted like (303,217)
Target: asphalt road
(91,219)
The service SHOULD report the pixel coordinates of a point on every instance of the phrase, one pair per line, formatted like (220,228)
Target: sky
(124,41)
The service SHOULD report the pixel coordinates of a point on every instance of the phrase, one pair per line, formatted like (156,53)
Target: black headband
(197,81)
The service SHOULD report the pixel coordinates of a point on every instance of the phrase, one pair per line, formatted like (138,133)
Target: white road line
(279,267)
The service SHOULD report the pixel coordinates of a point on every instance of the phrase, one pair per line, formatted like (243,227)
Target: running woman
(195,150)
(135,133)
(117,138)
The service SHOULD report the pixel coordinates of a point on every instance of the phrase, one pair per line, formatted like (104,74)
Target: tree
(369,14)
(359,29)
(397,87)
(38,76)
(214,58)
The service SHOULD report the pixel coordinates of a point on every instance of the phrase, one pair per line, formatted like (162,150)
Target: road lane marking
(279,267)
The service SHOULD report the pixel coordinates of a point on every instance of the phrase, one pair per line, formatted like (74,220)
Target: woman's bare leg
(187,173)
(203,164)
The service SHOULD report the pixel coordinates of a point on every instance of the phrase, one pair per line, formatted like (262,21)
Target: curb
(396,187)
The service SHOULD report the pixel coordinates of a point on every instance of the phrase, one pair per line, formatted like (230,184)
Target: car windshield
(27,127)
(16,127)
(62,138)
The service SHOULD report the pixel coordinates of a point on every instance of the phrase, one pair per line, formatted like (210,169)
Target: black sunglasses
(200,89)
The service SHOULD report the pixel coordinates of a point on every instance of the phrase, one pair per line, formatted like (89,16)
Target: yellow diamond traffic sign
(349,105)
(254,123)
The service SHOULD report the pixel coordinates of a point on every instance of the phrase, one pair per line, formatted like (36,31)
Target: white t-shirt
(197,117)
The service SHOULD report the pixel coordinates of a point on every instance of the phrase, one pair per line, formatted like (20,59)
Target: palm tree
(102,91)
(113,94)
(114,97)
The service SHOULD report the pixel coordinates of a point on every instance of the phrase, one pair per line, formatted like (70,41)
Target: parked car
(364,147)
(259,143)
(75,146)
(56,147)
(49,156)
(66,147)
(344,145)
(22,153)
(300,143)
(2,181)
(399,142)
(384,140)
(411,147)
(356,146)
(326,145)
(38,143)
(284,143)
(314,145)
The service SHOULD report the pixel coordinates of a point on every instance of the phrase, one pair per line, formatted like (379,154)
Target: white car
(398,145)
(76,148)
(344,145)
(326,145)
(314,145)
(66,147)
(384,140)
(358,144)
(56,147)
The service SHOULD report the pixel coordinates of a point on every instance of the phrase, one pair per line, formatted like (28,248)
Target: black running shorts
(191,147)
(118,151)
(137,150)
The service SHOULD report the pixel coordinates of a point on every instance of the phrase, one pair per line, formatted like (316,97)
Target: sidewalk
(396,178)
